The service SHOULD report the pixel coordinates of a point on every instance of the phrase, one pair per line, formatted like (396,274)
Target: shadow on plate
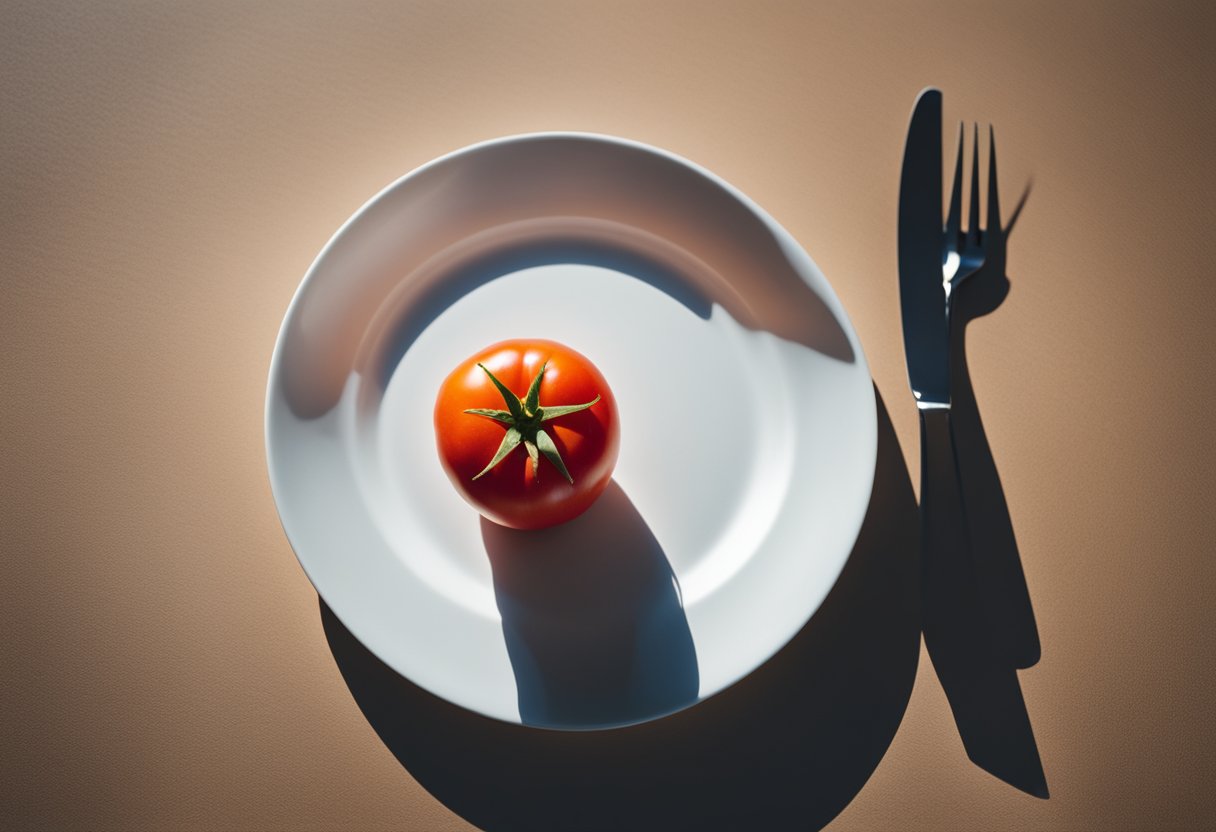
(471,218)
(789,746)
(593,619)
(780,303)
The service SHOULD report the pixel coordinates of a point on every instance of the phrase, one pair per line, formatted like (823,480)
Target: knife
(981,686)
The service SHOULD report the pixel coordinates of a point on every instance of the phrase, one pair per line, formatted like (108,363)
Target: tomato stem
(523,418)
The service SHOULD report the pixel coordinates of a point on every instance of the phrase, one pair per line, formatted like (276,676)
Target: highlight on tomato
(528,433)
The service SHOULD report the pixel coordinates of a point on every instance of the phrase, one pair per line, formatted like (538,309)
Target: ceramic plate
(747,412)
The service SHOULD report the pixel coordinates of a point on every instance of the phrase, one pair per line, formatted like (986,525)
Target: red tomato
(556,422)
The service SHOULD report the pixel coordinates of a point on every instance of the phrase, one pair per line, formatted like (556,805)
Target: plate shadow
(788,746)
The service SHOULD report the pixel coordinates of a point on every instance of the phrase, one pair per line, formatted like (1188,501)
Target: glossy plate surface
(720,535)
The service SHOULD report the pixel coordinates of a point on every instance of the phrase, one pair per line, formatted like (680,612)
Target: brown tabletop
(170,170)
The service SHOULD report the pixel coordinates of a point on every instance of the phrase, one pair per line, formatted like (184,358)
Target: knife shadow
(788,746)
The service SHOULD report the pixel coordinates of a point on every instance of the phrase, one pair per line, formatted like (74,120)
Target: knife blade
(922,292)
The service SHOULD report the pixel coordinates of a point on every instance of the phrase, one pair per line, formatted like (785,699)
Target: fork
(964,253)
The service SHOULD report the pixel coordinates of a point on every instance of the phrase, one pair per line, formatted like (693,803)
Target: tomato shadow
(788,746)
(593,620)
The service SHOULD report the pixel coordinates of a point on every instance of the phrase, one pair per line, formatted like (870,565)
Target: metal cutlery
(935,257)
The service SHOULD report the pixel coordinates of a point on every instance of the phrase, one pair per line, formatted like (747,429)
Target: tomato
(536,452)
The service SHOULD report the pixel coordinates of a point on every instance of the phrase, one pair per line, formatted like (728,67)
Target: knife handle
(948,574)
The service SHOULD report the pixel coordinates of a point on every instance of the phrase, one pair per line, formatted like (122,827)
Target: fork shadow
(999,575)
(978,620)
(788,746)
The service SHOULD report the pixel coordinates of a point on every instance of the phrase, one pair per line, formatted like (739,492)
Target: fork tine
(973,214)
(954,216)
(993,228)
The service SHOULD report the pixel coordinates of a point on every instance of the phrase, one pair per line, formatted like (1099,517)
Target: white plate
(748,430)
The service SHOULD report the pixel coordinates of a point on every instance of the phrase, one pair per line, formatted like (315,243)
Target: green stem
(523,418)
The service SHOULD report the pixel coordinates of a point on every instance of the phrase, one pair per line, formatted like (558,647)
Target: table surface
(170,170)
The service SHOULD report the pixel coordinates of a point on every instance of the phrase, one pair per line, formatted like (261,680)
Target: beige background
(168,171)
